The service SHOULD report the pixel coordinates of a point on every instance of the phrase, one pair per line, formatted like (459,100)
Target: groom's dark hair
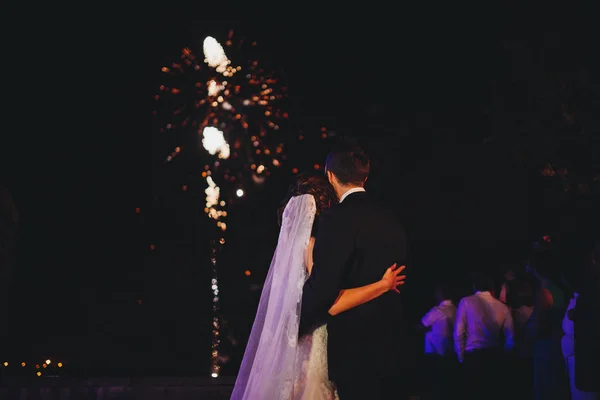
(349,163)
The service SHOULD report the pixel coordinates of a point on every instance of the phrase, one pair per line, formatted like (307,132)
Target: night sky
(423,98)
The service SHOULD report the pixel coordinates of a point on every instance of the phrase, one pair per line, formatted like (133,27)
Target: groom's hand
(392,278)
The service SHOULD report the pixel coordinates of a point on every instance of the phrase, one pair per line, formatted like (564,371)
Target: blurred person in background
(549,373)
(483,334)
(582,330)
(438,325)
(568,340)
(521,305)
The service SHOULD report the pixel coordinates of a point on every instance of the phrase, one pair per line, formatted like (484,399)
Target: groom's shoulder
(370,204)
(375,210)
(338,212)
(332,212)
(362,205)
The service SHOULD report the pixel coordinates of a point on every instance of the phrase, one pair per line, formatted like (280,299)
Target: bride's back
(268,370)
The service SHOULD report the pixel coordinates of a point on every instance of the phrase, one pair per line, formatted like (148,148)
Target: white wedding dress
(312,381)
(278,365)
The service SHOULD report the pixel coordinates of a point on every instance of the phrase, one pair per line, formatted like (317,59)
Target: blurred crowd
(533,332)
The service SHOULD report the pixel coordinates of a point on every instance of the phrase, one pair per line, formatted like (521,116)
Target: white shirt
(568,327)
(441,320)
(350,191)
(481,321)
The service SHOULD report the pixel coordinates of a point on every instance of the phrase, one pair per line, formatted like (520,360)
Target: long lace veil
(268,367)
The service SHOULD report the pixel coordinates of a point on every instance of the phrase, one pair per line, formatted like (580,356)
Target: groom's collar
(350,191)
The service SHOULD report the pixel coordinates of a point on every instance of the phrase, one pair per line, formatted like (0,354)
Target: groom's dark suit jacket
(357,240)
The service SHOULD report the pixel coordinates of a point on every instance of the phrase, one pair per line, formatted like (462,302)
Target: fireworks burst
(234,109)
(231,105)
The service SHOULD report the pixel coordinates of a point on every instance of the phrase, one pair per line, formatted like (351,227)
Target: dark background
(459,114)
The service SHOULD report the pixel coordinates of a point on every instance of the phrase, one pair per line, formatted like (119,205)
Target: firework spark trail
(233,106)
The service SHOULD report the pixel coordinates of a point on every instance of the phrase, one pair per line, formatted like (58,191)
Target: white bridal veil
(268,368)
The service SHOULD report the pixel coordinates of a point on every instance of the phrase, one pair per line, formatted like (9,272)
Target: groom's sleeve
(333,248)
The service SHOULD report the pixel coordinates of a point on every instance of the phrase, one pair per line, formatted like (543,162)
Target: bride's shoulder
(304,198)
(301,203)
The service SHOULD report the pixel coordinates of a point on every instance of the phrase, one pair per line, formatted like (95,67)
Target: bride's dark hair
(317,186)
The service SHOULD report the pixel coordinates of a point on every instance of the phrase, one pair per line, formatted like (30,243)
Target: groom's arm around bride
(332,250)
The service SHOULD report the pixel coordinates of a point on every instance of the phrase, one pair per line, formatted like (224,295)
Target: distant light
(23,364)
(48,361)
(214,375)
(39,373)
(239,193)
(6,363)
(248,273)
(547,238)
(59,365)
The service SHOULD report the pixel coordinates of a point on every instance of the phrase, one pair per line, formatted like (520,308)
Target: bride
(277,364)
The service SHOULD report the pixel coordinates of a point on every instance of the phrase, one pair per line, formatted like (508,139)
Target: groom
(357,241)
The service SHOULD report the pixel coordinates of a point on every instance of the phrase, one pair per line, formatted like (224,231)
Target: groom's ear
(329,175)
